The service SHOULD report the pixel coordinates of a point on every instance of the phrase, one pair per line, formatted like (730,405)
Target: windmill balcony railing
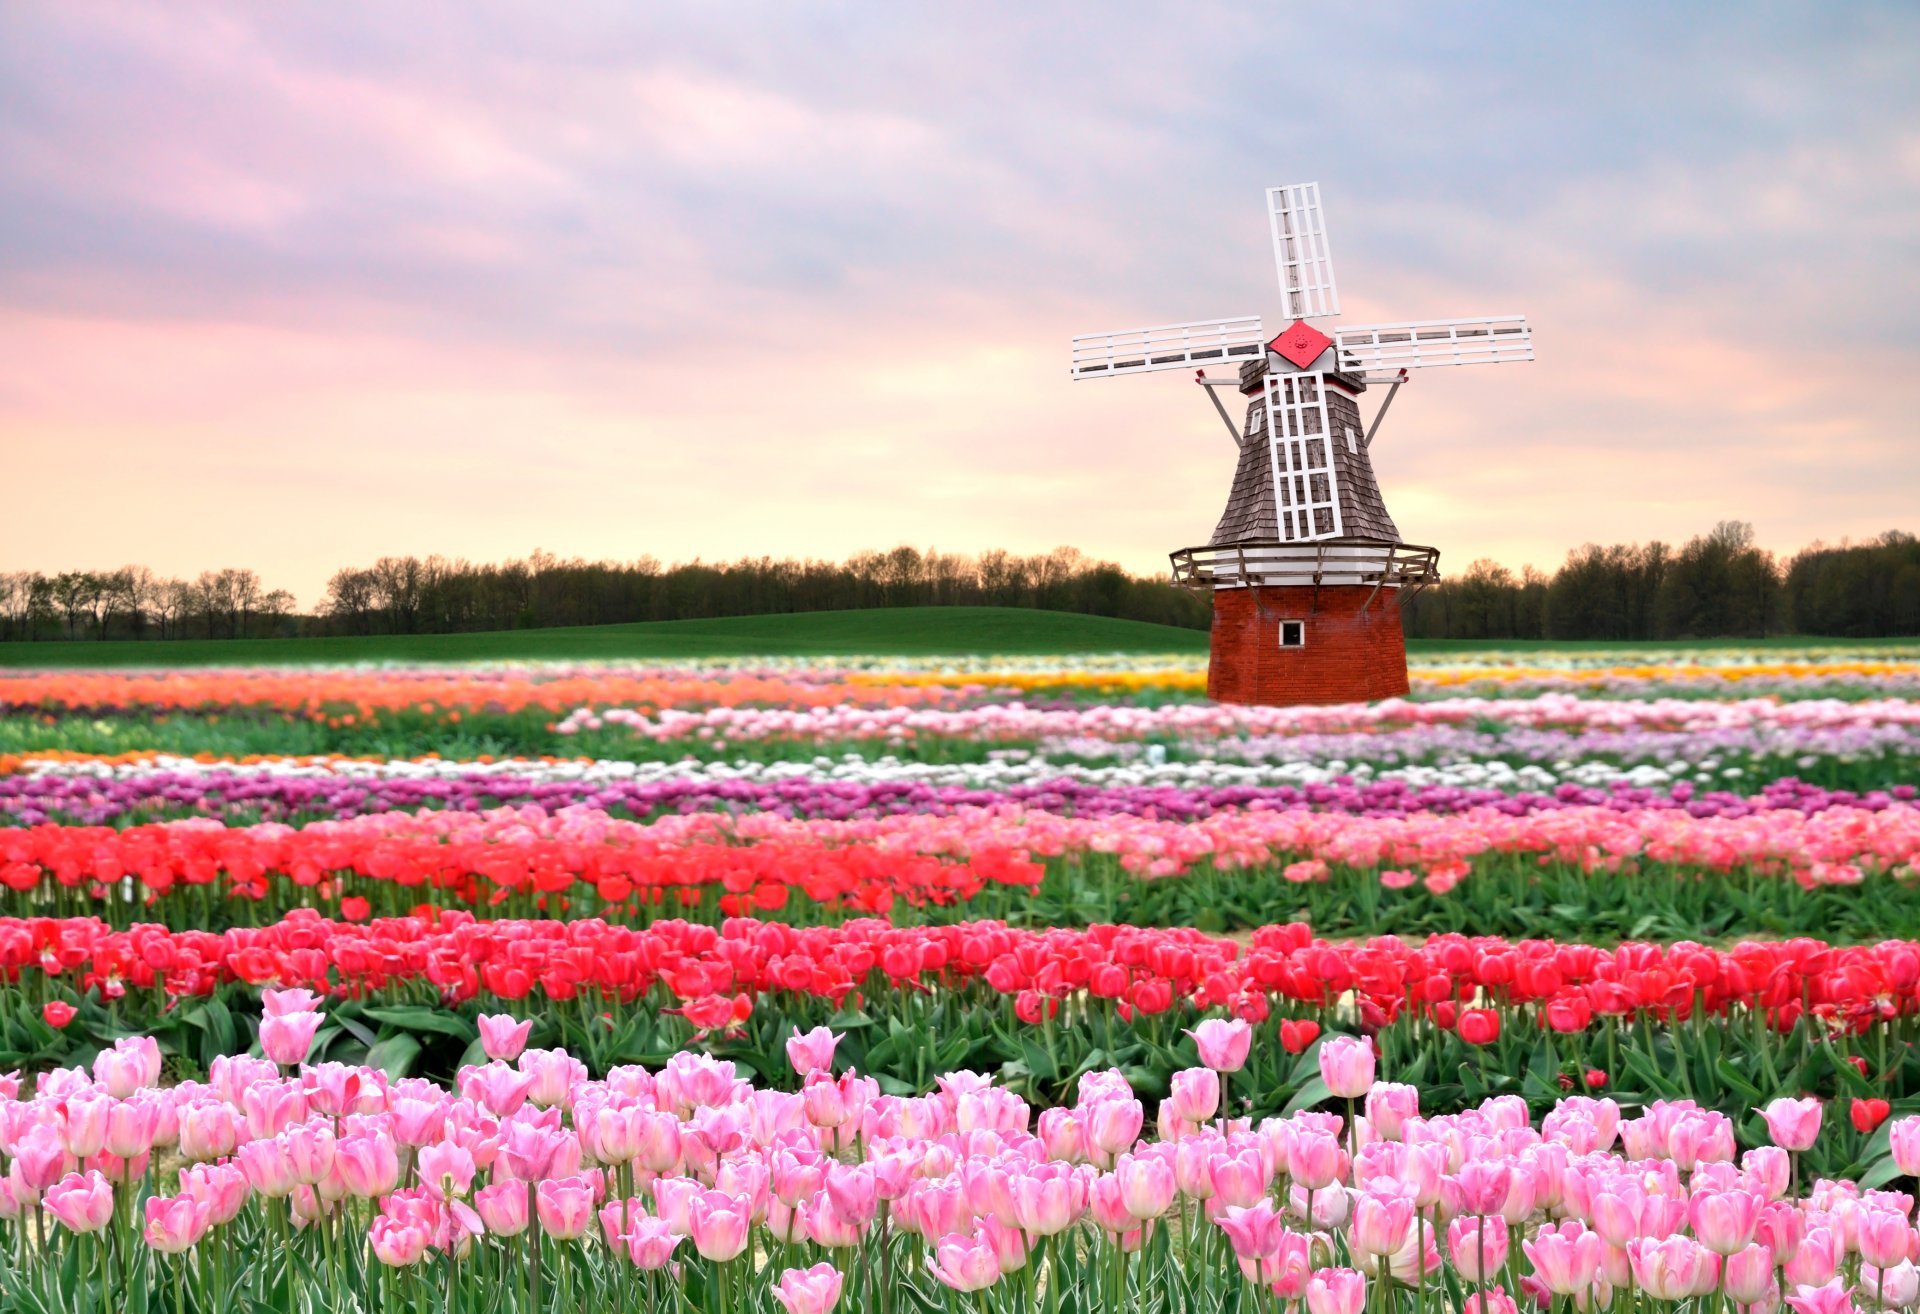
(1374,563)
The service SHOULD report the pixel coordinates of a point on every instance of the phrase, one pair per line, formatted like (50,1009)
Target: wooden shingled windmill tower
(1306,568)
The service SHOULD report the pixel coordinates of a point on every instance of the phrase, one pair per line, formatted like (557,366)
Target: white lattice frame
(1167,347)
(1416,344)
(1296,425)
(1301,252)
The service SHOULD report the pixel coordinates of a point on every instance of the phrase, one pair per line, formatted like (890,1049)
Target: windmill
(1306,568)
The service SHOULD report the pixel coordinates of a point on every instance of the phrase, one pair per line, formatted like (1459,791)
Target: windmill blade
(1167,347)
(1489,340)
(1306,487)
(1300,250)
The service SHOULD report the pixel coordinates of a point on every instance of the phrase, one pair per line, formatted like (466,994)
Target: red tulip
(1298,1034)
(1479,1026)
(1867,1115)
(58,1013)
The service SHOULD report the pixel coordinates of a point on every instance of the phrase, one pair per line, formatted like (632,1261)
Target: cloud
(799,281)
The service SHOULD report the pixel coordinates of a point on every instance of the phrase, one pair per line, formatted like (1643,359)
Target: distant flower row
(140,787)
(511,689)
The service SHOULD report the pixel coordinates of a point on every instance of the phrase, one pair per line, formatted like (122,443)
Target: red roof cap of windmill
(1300,343)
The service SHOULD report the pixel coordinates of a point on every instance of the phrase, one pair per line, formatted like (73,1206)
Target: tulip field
(1578,982)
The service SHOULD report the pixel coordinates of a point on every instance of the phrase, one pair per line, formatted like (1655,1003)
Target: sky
(301,285)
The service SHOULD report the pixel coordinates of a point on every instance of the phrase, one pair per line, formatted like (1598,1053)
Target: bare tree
(75,591)
(171,604)
(16,602)
(349,599)
(397,585)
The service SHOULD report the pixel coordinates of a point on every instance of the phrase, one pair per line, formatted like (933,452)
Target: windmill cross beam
(1305,510)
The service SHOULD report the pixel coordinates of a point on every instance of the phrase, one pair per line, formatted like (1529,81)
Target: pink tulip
(1793,1124)
(1346,1065)
(854,1192)
(279,1003)
(1673,1269)
(1224,1045)
(1904,1138)
(1724,1221)
(1389,1105)
(532,1149)
(1748,1274)
(221,1187)
(1063,1135)
(965,1262)
(501,1038)
(447,1169)
(1146,1185)
(1381,1224)
(133,1062)
(1337,1291)
(1897,1287)
(1831,1298)
(369,1165)
(286,1037)
(209,1129)
(1315,1160)
(82,1204)
(502,1207)
(310,1147)
(1254,1230)
(1565,1258)
(174,1223)
(717,1223)
(84,1128)
(1114,1125)
(40,1158)
(1195,1095)
(1236,1179)
(1769,1170)
(808,1290)
(272,1105)
(268,1168)
(565,1208)
(1043,1204)
(1883,1237)
(1816,1260)
(554,1072)
(812,1052)
(1493,1300)
(1469,1239)
(503,1090)
(398,1243)
(825,1227)
(650,1242)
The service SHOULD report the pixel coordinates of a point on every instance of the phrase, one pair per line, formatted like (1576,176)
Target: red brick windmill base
(1353,650)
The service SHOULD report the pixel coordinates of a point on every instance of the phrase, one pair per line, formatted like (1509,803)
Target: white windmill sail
(1300,250)
(1415,344)
(1167,347)
(1306,488)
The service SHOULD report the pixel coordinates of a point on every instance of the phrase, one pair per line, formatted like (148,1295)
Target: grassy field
(909,632)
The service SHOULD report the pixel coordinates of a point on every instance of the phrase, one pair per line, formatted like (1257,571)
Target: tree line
(437,595)
(1718,585)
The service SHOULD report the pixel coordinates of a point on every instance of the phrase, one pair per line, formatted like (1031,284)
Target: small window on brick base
(1293,634)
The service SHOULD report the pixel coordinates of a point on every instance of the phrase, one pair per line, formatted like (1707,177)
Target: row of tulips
(528,1185)
(550,686)
(1781,865)
(369,693)
(92,791)
(1869,742)
(1462,1016)
(1016,721)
